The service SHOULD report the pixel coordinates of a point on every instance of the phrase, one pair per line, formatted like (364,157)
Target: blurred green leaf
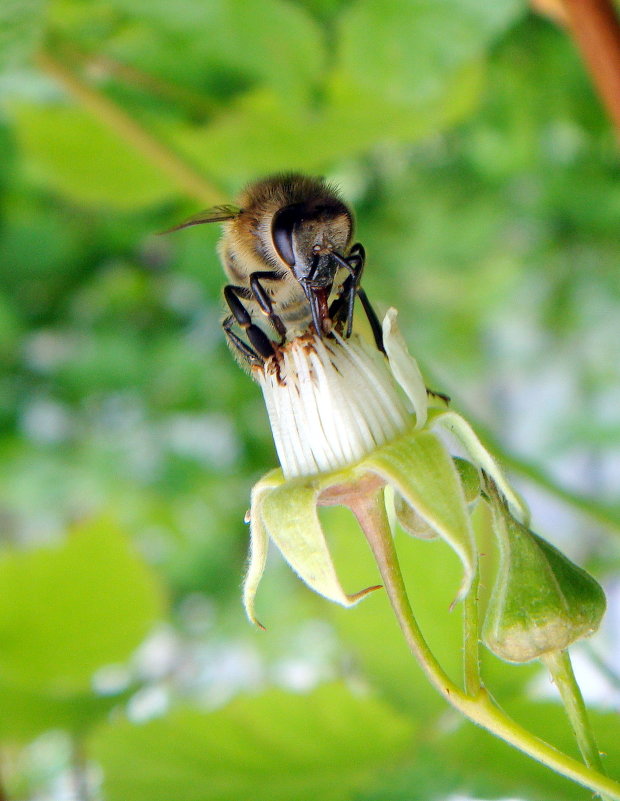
(265,133)
(10,329)
(41,259)
(324,10)
(404,51)
(76,155)
(270,41)
(67,610)
(469,762)
(274,747)
(24,714)
(21,28)
(426,777)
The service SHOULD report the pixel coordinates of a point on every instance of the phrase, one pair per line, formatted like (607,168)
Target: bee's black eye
(284,222)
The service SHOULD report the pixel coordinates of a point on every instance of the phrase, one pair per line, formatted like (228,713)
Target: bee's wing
(212,215)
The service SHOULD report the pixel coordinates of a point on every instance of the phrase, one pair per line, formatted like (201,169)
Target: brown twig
(595,28)
(186,177)
(100,65)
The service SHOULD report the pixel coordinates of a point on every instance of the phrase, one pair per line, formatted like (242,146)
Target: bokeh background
(484,176)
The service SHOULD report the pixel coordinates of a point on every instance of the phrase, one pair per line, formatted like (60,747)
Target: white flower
(331,401)
(344,415)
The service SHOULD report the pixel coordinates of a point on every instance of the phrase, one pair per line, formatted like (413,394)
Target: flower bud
(541,601)
(470,478)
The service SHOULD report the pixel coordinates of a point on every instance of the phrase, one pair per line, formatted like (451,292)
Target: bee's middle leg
(257,337)
(263,299)
(244,351)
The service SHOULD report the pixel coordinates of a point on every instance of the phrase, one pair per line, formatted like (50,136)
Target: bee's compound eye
(282,227)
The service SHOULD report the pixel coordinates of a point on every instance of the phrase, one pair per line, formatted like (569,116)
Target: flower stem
(559,666)
(370,511)
(471,639)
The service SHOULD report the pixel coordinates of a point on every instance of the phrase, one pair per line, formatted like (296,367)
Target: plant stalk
(480,709)
(471,641)
(559,665)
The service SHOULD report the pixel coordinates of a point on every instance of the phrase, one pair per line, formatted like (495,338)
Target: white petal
(330,401)
(405,367)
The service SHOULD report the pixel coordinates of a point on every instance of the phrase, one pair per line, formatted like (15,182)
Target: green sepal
(422,472)
(411,521)
(286,512)
(541,601)
(459,428)
(259,541)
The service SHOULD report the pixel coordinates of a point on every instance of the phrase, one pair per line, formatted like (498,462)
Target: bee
(286,248)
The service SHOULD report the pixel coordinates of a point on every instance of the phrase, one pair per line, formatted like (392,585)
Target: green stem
(559,666)
(128,130)
(480,709)
(471,641)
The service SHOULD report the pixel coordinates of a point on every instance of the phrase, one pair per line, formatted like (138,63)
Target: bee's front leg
(375,325)
(354,262)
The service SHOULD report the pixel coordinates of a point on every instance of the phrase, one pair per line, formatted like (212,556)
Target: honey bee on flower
(352,416)
(343,409)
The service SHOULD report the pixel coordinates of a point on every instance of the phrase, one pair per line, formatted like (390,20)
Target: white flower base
(330,402)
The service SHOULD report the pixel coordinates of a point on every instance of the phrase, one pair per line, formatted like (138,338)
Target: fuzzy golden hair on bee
(286,249)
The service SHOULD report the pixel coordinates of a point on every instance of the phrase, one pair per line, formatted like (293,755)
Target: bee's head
(306,235)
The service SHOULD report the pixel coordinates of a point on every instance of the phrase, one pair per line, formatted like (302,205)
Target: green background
(484,177)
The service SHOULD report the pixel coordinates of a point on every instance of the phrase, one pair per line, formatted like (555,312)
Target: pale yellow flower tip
(404,367)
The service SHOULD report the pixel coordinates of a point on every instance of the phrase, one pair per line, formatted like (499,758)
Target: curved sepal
(259,541)
(464,433)
(416,525)
(290,518)
(421,470)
